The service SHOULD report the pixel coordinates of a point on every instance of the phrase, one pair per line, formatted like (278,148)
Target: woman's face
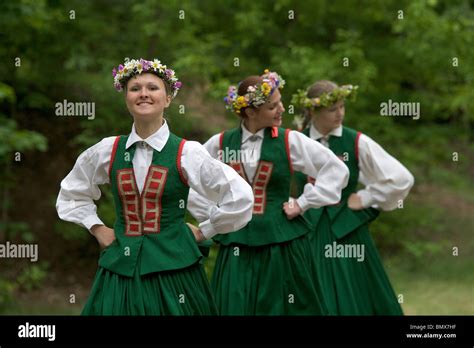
(146,97)
(330,117)
(270,113)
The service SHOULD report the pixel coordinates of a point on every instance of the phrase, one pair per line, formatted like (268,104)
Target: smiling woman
(150,261)
(266,267)
(147,97)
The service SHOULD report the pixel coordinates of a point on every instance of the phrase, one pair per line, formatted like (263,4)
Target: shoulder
(294,135)
(194,148)
(216,138)
(365,140)
(100,149)
(350,132)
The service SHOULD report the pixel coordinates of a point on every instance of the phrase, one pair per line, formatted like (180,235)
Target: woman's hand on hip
(104,235)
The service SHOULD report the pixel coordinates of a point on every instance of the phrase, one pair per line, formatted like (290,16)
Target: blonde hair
(316,90)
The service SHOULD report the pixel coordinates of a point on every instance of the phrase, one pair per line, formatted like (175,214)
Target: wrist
(96,229)
(201,236)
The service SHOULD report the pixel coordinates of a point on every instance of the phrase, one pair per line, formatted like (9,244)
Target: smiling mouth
(144,103)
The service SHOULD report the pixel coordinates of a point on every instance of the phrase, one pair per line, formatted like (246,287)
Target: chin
(277,123)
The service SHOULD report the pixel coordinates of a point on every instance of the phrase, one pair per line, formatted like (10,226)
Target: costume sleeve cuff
(207,229)
(303,203)
(92,220)
(365,198)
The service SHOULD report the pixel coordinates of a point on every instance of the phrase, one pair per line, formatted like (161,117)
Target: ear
(312,113)
(251,113)
(168,100)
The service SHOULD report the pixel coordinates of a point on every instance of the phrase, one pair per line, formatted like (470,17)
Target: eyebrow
(147,83)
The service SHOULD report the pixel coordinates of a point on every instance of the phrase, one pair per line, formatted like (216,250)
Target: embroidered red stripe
(357,146)
(221,141)
(112,156)
(274,132)
(178,162)
(287,146)
(152,204)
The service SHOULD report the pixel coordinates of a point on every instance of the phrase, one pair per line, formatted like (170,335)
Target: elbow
(345,179)
(336,198)
(248,201)
(410,181)
(405,183)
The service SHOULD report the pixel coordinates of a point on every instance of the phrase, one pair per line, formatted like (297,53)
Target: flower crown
(256,95)
(134,67)
(300,98)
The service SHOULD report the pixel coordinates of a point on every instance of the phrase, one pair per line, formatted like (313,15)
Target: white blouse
(386,180)
(230,196)
(307,156)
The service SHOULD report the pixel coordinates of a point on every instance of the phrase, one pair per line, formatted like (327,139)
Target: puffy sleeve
(386,180)
(311,158)
(79,189)
(219,198)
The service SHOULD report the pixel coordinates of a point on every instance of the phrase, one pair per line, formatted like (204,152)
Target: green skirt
(274,279)
(179,292)
(349,286)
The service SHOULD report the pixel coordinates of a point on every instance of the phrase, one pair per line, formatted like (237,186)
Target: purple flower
(168,72)
(178,84)
(114,72)
(120,67)
(145,63)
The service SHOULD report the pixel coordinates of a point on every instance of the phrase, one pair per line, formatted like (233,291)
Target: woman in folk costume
(150,264)
(266,268)
(350,271)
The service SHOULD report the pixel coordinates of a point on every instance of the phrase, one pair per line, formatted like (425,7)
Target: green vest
(343,219)
(150,229)
(271,188)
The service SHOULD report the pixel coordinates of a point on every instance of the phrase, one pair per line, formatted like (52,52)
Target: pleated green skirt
(274,279)
(178,292)
(349,286)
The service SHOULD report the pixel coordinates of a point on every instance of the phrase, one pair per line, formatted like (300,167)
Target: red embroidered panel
(127,188)
(151,198)
(142,213)
(259,185)
(260,182)
(238,167)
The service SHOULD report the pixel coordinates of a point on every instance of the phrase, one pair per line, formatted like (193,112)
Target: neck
(146,128)
(323,130)
(251,126)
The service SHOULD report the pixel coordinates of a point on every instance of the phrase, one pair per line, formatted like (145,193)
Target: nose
(143,93)
(282,107)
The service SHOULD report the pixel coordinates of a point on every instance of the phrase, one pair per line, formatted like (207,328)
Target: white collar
(157,140)
(246,134)
(314,134)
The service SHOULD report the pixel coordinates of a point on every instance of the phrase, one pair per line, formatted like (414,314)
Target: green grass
(42,309)
(438,286)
